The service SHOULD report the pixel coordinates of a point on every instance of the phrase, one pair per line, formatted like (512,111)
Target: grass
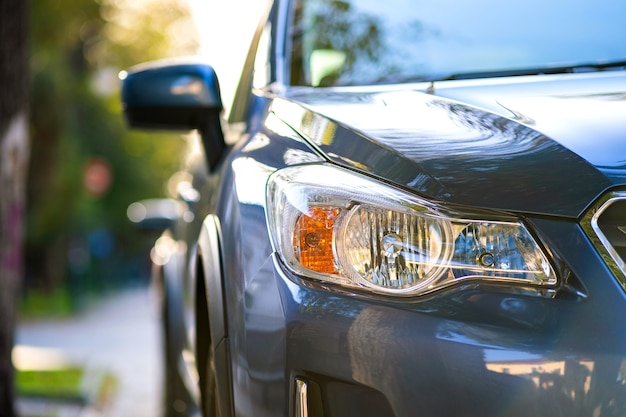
(59,388)
(49,304)
(62,384)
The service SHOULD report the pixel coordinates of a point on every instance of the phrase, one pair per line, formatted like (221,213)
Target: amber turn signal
(313,239)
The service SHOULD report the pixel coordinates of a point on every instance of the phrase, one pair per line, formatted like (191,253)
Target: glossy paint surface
(476,349)
(471,350)
(513,157)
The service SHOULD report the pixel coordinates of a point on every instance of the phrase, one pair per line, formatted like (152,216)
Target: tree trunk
(14,150)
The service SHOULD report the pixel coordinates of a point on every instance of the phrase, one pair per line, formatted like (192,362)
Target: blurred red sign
(97,176)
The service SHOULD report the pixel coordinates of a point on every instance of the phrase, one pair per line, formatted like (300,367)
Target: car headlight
(336,226)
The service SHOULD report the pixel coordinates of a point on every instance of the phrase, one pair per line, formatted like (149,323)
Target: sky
(225,29)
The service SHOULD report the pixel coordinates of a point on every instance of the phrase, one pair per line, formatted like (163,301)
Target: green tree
(86,167)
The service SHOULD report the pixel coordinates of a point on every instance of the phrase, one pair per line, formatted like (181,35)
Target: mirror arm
(212,137)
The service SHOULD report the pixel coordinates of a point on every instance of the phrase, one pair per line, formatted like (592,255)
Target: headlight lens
(335,226)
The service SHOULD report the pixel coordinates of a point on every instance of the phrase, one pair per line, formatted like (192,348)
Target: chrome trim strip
(590,225)
(282,57)
(302,405)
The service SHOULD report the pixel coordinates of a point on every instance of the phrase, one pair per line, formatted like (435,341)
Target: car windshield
(359,42)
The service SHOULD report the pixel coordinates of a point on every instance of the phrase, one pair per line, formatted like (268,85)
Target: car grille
(605,224)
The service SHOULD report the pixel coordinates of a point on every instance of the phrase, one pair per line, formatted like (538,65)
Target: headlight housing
(336,226)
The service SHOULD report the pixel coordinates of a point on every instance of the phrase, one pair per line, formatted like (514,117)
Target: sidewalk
(119,336)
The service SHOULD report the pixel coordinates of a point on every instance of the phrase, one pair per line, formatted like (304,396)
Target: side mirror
(156,214)
(181,94)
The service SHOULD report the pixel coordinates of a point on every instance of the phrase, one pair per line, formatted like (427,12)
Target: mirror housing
(175,94)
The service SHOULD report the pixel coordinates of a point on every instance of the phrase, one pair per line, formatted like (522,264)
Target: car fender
(210,260)
(209,253)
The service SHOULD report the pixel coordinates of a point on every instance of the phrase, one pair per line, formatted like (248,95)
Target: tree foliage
(78,235)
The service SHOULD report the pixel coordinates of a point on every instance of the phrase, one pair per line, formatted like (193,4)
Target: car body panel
(541,149)
(509,159)
(521,346)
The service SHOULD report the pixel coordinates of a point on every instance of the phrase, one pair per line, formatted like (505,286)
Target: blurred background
(85,298)
(86,167)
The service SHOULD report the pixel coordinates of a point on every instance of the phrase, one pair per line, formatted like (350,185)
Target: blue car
(410,208)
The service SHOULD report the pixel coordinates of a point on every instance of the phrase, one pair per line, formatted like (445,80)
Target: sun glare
(225,30)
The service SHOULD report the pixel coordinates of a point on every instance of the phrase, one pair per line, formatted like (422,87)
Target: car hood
(546,145)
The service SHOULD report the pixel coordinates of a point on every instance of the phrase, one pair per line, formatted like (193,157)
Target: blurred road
(119,334)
